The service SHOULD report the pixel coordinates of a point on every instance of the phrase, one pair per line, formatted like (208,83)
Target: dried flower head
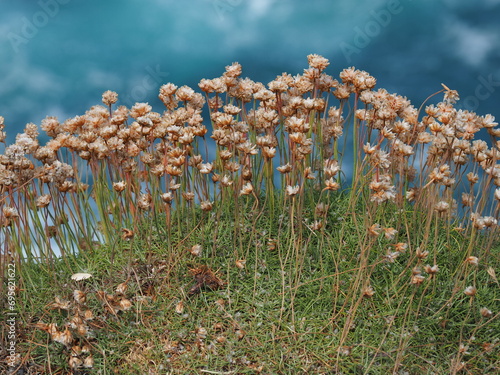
(368,291)
(421,254)
(124,304)
(246,189)
(374,230)
(179,307)
(75,363)
(241,263)
(472,260)
(119,186)
(391,256)
(205,168)
(109,97)
(390,233)
(284,168)
(331,184)
(206,205)
(196,250)
(497,194)
(417,279)
(188,195)
(331,167)
(167,197)
(65,337)
(79,296)
(431,270)
(81,276)
(321,209)
(144,202)
(127,234)
(88,362)
(400,247)
(10,212)
(317,62)
(485,312)
(43,200)
(60,304)
(463,349)
(292,190)
(470,291)
(122,288)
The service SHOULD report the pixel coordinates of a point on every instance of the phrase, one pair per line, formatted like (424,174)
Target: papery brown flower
(421,254)
(184,93)
(119,186)
(179,307)
(321,209)
(284,168)
(75,363)
(79,296)
(442,206)
(472,260)
(88,362)
(109,97)
(167,197)
(196,250)
(269,152)
(368,291)
(470,291)
(60,304)
(417,279)
(246,173)
(127,234)
(240,263)
(292,190)
(331,167)
(331,184)
(390,233)
(144,201)
(233,70)
(485,312)
(43,200)
(431,270)
(140,109)
(317,225)
(246,189)
(205,168)
(10,212)
(51,126)
(374,230)
(188,195)
(400,247)
(317,62)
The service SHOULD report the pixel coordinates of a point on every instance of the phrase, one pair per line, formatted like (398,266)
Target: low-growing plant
(323,226)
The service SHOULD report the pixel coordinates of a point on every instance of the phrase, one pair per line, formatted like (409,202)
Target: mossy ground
(292,301)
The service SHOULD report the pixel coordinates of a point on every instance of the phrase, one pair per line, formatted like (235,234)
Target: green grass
(292,309)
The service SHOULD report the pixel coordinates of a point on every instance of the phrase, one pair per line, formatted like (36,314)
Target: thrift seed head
(109,97)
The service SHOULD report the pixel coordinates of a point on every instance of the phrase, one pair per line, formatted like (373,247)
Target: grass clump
(141,248)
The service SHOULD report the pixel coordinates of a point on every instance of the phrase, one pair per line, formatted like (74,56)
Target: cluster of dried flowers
(154,159)
(78,336)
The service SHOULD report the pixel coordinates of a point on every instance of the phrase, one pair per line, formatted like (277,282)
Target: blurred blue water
(58,56)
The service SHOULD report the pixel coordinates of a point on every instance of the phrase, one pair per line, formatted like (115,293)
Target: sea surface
(58,56)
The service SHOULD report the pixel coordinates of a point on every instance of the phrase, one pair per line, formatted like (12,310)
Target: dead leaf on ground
(204,278)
